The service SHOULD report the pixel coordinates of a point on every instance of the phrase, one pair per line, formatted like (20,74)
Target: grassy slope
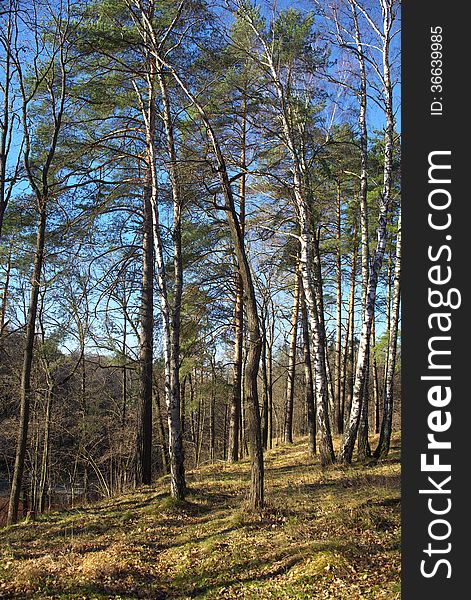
(332,533)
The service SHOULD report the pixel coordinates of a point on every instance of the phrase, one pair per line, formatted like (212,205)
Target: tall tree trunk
(364,450)
(212,409)
(194,430)
(374,362)
(389,292)
(326,448)
(41,500)
(338,424)
(254,349)
(212,421)
(236,398)
(143,474)
(348,441)
(38,178)
(349,350)
(386,424)
(307,245)
(171,310)
(363,349)
(243,442)
(307,259)
(200,425)
(6,285)
(34,454)
(183,404)
(235,410)
(265,401)
(309,382)
(124,377)
(224,434)
(319,293)
(176,442)
(25,386)
(270,380)
(6,120)
(363,446)
(389,285)
(289,401)
(38,175)
(161,430)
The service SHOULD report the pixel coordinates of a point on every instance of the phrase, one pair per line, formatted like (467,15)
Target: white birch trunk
(348,442)
(386,425)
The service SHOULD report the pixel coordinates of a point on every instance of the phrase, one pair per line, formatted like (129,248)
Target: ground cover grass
(325,533)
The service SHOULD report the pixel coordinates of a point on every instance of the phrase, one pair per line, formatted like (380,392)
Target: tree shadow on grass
(146,588)
(286,469)
(353,481)
(229,577)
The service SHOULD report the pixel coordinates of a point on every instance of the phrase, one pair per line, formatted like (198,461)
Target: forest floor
(325,533)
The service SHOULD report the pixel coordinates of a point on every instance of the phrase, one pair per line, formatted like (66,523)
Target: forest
(200,243)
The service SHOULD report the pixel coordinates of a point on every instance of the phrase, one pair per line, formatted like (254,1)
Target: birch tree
(254,351)
(278,58)
(385,32)
(144,17)
(386,423)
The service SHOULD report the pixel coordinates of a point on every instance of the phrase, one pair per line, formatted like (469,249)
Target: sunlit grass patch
(324,533)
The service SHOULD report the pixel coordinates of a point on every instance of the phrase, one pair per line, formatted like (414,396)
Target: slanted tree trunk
(256,495)
(306,236)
